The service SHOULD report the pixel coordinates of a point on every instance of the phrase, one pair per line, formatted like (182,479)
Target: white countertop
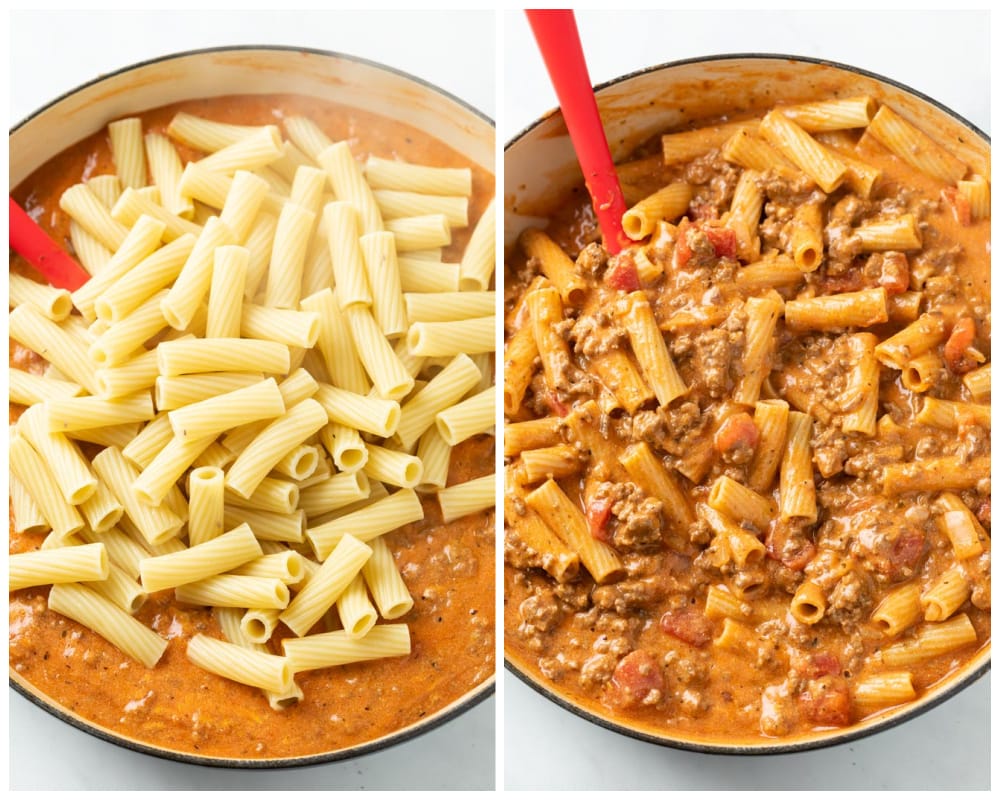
(53,52)
(944,55)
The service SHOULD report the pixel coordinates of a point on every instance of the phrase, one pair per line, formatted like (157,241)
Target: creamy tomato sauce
(639,649)
(448,568)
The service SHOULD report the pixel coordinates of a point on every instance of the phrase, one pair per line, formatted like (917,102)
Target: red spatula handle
(37,247)
(559,41)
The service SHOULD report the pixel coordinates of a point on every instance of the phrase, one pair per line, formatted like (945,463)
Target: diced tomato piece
(637,679)
(846,282)
(827,701)
(956,349)
(688,625)
(723,240)
(960,206)
(683,250)
(622,273)
(815,665)
(598,514)
(895,273)
(558,406)
(738,431)
(794,552)
(907,549)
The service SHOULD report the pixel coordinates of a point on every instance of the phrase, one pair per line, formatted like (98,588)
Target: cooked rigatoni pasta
(26,516)
(225,298)
(448,306)
(472,416)
(554,264)
(386,371)
(235,591)
(808,603)
(206,500)
(424,275)
(339,568)
(260,400)
(946,595)
(373,520)
(345,446)
(470,336)
(349,184)
(469,497)
(30,328)
(898,610)
(383,173)
(35,475)
(915,339)
(157,524)
(263,670)
(166,169)
(858,309)
(435,455)
(56,304)
(84,207)
(356,612)
(379,252)
(292,428)
(284,274)
(225,552)
(26,388)
(96,612)
(669,203)
(651,351)
(802,150)
(387,587)
(393,467)
(755,154)
(159,477)
(258,624)
(340,220)
(182,357)
(895,233)
(336,345)
(914,146)
(137,203)
(931,639)
(561,515)
(148,277)
(85,562)
(762,318)
(371,414)
(339,647)
(257,148)
(71,470)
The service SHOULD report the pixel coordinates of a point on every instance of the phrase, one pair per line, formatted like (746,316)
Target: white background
(943,55)
(53,52)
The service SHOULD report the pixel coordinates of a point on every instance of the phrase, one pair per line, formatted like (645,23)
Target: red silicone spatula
(37,247)
(559,41)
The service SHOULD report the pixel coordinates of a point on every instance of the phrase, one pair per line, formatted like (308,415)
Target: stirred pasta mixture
(251,457)
(747,490)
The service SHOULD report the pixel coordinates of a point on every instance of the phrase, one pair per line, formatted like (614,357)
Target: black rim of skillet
(797,745)
(460,706)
